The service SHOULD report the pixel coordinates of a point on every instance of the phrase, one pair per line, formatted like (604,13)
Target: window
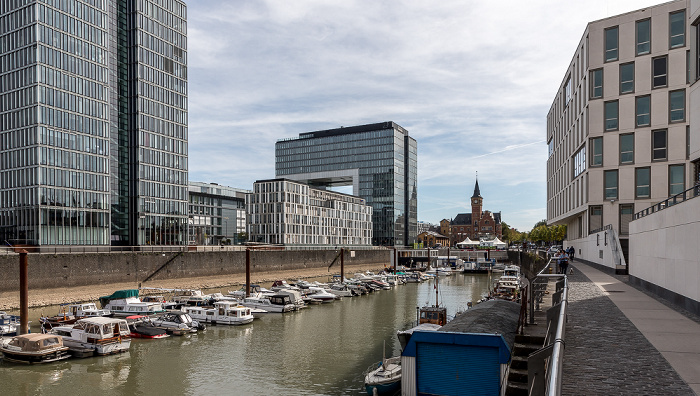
(611,44)
(580,161)
(596,83)
(676,106)
(597,150)
(676,23)
(643,109)
(610,184)
(643,37)
(567,90)
(658,78)
(596,218)
(676,179)
(611,112)
(626,215)
(550,147)
(626,78)
(627,148)
(642,182)
(658,145)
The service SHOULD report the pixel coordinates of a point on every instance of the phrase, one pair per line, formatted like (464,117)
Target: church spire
(477,193)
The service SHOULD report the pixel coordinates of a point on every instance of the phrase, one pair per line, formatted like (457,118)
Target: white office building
(282,211)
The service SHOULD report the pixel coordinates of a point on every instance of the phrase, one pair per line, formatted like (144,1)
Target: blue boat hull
(384,389)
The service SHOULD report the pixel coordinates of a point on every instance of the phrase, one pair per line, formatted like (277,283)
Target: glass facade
(217,214)
(380,160)
(70,148)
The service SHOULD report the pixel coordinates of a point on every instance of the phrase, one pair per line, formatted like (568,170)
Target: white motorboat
(98,335)
(127,303)
(177,323)
(318,293)
(295,297)
(266,304)
(34,348)
(224,312)
(341,289)
(9,324)
(87,310)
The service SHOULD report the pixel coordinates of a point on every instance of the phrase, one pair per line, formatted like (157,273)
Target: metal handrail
(690,193)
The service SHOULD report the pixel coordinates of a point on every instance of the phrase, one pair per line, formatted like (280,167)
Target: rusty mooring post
(247,272)
(23,292)
(342,264)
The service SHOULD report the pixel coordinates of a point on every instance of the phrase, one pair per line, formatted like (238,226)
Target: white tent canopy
(467,242)
(497,243)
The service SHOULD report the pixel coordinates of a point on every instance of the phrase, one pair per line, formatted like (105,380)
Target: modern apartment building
(617,131)
(282,211)
(216,214)
(378,160)
(93,113)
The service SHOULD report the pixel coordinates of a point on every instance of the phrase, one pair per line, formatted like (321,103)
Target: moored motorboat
(99,335)
(318,293)
(177,323)
(384,377)
(127,303)
(283,305)
(224,312)
(9,324)
(141,327)
(34,349)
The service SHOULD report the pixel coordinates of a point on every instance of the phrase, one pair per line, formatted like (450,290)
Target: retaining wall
(68,270)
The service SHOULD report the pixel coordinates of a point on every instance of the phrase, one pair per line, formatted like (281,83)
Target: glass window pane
(597,158)
(611,115)
(677,29)
(659,72)
(643,178)
(611,44)
(627,78)
(676,105)
(659,145)
(643,106)
(676,179)
(626,148)
(643,37)
(597,83)
(610,184)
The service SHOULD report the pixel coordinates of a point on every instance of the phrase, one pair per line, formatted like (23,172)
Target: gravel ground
(61,295)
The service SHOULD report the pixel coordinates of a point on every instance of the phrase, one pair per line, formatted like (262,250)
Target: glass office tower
(378,160)
(94,122)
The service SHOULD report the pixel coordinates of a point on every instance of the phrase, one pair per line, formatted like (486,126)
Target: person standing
(571,252)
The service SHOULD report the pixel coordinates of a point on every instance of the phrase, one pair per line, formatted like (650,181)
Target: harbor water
(320,350)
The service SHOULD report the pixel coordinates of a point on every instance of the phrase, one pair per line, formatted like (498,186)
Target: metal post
(395,260)
(247,272)
(342,264)
(23,293)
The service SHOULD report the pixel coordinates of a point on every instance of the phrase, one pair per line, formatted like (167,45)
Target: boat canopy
(36,342)
(119,294)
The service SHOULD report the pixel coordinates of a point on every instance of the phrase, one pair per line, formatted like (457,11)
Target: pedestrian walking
(563,262)
(571,252)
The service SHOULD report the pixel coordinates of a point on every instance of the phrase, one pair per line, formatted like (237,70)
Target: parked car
(554,249)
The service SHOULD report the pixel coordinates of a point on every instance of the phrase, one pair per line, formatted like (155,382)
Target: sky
(471,80)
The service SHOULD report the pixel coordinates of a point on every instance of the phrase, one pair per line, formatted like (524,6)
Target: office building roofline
(348,130)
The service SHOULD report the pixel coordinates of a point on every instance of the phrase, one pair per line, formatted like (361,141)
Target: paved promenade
(620,341)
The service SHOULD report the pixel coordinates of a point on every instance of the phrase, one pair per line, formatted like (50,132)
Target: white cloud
(471,80)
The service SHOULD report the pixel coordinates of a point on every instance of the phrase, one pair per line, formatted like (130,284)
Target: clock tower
(476,208)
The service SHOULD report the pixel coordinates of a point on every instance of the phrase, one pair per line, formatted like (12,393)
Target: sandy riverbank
(46,297)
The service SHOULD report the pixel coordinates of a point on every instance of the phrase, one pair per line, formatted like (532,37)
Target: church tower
(476,207)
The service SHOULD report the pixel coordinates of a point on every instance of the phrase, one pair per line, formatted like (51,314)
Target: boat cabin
(434,315)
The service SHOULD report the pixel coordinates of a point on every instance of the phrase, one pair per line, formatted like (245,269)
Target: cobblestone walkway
(605,354)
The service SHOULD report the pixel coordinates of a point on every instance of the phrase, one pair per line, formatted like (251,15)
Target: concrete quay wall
(69,270)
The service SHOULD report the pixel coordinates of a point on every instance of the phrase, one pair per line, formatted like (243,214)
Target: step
(519,362)
(524,349)
(529,339)
(516,389)
(517,375)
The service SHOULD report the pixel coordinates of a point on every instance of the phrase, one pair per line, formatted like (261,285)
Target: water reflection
(321,350)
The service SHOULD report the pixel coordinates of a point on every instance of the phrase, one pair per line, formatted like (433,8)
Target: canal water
(321,350)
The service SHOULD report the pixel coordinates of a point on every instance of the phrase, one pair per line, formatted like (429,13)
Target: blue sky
(472,81)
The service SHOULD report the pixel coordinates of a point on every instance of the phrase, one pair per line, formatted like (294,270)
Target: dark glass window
(642,182)
(643,109)
(611,44)
(627,78)
(643,37)
(659,72)
(658,145)
(627,148)
(597,151)
(596,218)
(596,83)
(610,184)
(676,106)
(676,179)
(611,115)
(676,29)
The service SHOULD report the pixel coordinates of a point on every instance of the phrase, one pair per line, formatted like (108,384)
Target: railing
(545,364)
(607,227)
(83,249)
(690,193)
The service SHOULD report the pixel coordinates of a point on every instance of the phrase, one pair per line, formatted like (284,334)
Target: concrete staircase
(517,374)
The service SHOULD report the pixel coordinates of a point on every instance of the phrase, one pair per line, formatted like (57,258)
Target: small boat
(177,323)
(127,303)
(342,290)
(9,324)
(318,293)
(383,378)
(34,349)
(99,335)
(141,327)
(224,312)
(281,304)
